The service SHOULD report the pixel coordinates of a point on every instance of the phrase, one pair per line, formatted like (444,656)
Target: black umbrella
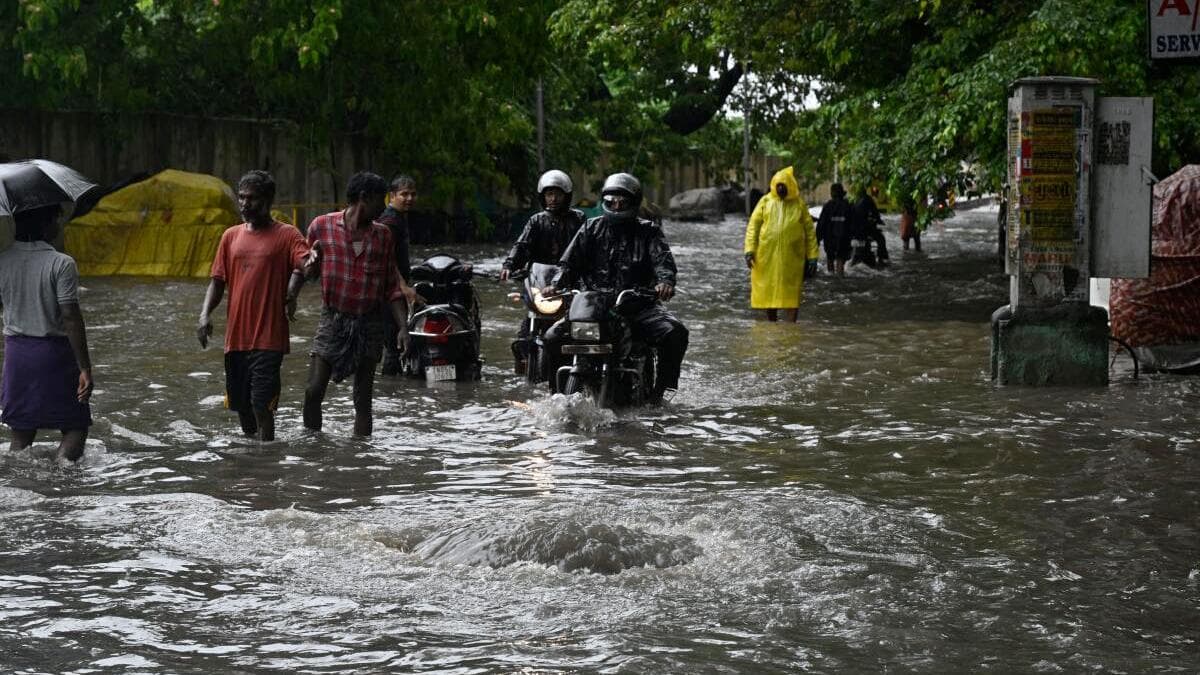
(35,183)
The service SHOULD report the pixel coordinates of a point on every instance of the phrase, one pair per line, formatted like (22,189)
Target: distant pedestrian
(836,227)
(871,223)
(908,224)
(780,248)
(47,368)
(259,261)
(355,258)
(402,196)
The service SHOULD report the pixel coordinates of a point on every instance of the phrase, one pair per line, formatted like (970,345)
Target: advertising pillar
(1048,334)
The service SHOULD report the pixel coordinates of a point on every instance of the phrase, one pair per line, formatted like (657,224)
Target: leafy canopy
(911,94)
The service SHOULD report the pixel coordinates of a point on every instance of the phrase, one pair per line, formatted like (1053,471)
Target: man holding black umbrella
(47,380)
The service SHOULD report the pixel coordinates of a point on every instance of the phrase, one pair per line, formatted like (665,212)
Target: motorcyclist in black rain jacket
(618,251)
(870,221)
(543,240)
(548,231)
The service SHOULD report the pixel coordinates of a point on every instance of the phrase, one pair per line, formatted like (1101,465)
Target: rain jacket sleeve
(871,212)
(519,255)
(664,260)
(574,258)
(755,226)
(823,222)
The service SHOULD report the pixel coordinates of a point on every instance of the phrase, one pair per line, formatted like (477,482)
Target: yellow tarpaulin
(167,225)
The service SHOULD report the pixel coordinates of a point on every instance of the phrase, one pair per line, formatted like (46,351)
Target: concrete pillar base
(1064,345)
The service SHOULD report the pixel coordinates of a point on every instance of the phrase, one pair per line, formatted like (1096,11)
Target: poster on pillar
(1050,165)
(1048,188)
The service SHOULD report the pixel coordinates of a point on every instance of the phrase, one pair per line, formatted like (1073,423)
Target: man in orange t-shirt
(260,261)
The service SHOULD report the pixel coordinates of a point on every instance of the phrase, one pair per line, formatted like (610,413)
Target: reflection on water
(849,493)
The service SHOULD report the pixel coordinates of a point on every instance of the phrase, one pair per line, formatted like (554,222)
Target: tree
(912,94)
(446,96)
(915,93)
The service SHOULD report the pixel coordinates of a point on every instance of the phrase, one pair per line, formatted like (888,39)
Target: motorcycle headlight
(585,331)
(546,305)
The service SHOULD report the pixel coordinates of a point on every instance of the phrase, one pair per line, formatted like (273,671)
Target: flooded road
(846,494)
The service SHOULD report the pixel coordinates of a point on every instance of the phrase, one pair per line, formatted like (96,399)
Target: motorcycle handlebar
(647,293)
(640,292)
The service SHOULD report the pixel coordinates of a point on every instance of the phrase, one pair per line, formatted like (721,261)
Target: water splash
(569,544)
(576,411)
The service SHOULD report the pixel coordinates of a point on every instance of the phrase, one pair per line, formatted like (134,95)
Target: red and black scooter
(444,334)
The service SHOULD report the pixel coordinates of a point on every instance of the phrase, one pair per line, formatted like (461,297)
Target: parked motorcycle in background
(608,363)
(444,334)
(541,313)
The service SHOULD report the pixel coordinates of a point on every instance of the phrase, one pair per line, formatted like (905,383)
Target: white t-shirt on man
(34,280)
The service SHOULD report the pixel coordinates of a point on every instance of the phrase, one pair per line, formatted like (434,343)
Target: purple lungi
(40,385)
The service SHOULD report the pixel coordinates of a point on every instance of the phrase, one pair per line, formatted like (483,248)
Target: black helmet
(627,186)
(557,179)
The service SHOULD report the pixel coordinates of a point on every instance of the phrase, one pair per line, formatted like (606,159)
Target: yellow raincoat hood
(781,236)
(788,178)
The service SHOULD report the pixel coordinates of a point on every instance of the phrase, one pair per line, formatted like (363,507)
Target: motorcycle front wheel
(533,364)
(600,393)
(574,385)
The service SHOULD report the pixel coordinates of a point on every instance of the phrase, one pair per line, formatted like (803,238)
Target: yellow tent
(167,225)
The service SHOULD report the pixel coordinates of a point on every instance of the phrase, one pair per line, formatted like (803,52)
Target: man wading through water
(260,262)
(355,258)
(47,368)
(837,226)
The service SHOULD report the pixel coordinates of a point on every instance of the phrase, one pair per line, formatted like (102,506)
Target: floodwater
(846,494)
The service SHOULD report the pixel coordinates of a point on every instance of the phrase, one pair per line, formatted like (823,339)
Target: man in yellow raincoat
(781,248)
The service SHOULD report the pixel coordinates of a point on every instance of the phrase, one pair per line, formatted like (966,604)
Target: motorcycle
(608,363)
(444,334)
(541,313)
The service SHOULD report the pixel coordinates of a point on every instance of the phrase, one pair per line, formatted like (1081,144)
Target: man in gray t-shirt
(47,377)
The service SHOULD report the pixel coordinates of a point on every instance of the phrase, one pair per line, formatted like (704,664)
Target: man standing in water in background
(401,199)
(355,258)
(780,249)
(260,261)
(47,368)
(836,226)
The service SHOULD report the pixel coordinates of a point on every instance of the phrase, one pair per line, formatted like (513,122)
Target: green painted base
(1066,345)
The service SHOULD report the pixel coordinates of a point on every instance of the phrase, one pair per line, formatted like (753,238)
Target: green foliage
(911,95)
(442,90)
(914,94)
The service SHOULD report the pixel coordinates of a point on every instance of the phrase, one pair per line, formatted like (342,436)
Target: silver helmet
(626,185)
(555,178)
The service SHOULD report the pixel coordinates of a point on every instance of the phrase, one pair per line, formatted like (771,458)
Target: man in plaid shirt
(354,256)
